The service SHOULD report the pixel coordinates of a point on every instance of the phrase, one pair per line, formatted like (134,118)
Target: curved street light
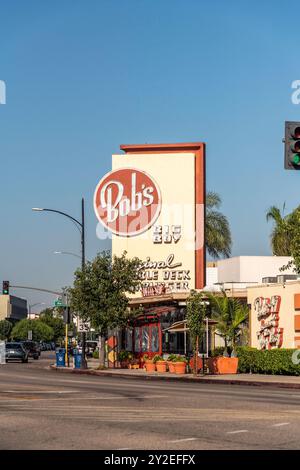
(81,226)
(34,305)
(66,253)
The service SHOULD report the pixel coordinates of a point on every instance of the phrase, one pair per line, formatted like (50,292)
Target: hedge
(273,361)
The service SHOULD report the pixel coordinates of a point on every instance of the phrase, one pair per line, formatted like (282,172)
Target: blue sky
(84,77)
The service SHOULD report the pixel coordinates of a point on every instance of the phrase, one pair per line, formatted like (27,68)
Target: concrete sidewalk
(281,381)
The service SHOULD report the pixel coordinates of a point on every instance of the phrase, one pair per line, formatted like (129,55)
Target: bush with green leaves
(5,329)
(124,356)
(172,358)
(218,351)
(55,322)
(272,361)
(157,358)
(181,359)
(40,331)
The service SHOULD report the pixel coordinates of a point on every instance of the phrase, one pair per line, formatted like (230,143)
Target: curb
(206,380)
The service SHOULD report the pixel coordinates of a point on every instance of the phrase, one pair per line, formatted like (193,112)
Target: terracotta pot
(223,365)
(161,366)
(199,364)
(180,367)
(171,367)
(150,366)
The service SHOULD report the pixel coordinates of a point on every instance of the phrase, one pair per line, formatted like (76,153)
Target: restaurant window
(128,339)
(154,339)
(145,338)
(137,347)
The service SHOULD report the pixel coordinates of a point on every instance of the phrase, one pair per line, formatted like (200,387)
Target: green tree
(281,234)
(217,231)
(99,294)
(40,331)
(294,232)
(48,317)
(231,314)
(196,312)
(5,329)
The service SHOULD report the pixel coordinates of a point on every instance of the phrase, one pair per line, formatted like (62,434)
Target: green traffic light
(296,159)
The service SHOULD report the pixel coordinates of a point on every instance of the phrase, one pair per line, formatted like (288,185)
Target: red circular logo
(127,201)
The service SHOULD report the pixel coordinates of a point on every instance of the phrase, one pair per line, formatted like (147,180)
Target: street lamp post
(34,305)
(81,225)
(66,253)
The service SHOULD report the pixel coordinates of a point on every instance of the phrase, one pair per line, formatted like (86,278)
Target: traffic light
(5,287)
(67,315)
(292,145)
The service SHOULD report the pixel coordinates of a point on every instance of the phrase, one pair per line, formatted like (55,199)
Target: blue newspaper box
(60,358)
(77,360)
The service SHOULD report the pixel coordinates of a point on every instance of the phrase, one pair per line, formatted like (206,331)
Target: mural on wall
(269,334)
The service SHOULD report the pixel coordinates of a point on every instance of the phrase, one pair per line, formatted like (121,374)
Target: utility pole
(83,360)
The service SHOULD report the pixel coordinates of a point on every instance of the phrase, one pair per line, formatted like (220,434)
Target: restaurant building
(153,202)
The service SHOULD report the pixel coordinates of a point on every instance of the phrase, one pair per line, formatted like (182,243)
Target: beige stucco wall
(5,307)
(175,176)
(249,269)
(286,311)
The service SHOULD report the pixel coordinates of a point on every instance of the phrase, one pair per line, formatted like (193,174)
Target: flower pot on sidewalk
(161,366)
(223,365)
(171,367)
(180,367)
(150,366)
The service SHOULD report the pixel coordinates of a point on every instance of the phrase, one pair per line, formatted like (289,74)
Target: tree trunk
(101,351)
(196,350)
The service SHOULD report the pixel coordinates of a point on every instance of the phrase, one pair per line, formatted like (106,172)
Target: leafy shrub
(157,357)
(40,331)
(96,354)
(218,351)
(146,357)
(181,359)
(273,361)
(172,358)
(124,356)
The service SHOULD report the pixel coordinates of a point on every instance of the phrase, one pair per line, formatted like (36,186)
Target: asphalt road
(43,409)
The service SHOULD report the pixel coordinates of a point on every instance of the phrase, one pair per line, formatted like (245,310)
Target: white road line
(39,391)
(279,424)
(184,440)
(237,432)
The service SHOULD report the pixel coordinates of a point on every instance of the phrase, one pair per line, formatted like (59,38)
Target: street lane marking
(279,424)
(237,432)
(184,440)
(39,391)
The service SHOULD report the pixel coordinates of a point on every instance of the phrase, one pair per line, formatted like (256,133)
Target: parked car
(16,351)
(32,348)
(90,347)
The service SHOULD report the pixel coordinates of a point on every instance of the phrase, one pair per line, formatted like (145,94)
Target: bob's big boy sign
(127,201)
(153,202)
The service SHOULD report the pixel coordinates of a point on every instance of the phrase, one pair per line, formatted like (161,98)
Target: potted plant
(149,364)
(170,361)
(161,364)
(180,365)
(231,314)
(124,358)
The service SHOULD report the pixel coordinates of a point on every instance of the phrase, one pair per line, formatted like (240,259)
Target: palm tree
(218,236)
(281,235)
(230,313)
